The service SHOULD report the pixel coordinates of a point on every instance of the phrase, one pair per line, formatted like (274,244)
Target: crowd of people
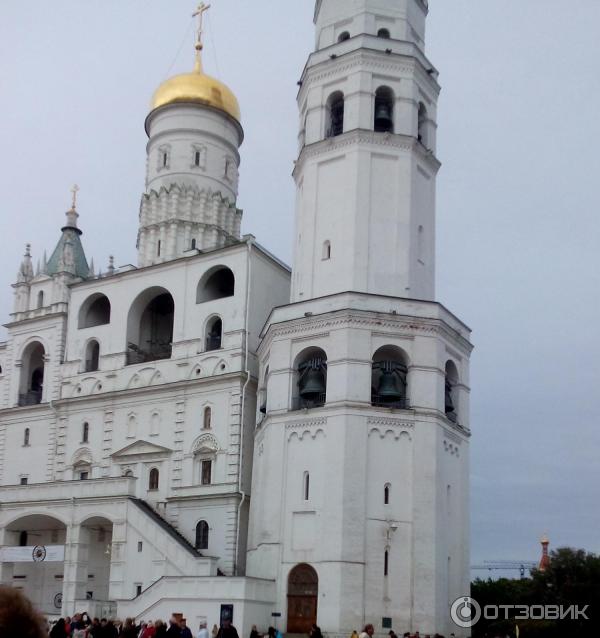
(19,619)
(81,626)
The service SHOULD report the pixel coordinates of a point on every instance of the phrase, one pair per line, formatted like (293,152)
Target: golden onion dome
(197,88)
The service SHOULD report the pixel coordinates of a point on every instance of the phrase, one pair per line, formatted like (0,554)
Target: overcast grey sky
(518,199)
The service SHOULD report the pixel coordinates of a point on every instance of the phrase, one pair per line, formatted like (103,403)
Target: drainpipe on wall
(249,243)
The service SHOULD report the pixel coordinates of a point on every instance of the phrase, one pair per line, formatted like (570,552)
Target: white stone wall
(404,19)
(369,196)
(351,450)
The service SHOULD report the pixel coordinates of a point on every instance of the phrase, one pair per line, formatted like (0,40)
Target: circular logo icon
(58,601)
(465,612)
(38,554)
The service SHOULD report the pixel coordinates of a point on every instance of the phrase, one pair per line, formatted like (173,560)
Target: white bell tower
(360,486)
(367,167)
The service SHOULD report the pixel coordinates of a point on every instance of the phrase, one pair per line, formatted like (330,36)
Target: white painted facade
(151,421)
(372,495)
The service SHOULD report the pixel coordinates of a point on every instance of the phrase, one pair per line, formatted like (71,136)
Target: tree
(573,579)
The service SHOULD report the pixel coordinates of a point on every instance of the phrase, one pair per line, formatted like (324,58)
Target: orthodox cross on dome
(74,192)
(199,13)
(72,213)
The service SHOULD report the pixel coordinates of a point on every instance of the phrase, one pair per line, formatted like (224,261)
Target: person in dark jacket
(186,632)
(174,630)
(227,630)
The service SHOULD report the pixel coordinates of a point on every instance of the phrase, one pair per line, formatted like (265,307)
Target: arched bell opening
(389,378)
(384,110)
(311,379)
(95,311)
(335,115)
(303,593)
(150,327)
(31,387)
(217,283)
(450,392)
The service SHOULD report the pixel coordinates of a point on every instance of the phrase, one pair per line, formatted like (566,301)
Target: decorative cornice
(306,423)
(351,318)
(364,137)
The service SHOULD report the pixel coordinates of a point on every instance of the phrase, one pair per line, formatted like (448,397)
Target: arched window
(214,334)
(153,479)
(92,356)
(326,250)
(306,486)
(85,432)
(217,283)
(450,398)
(335,115)
(193,244)
(386,494)
(95,311)
(150,327)
(23,539)
(207,419)
(384,110)
(422,125)
(40,299)
(344,35)
(311,371)
(202,535)
(31,387)
(128,474)
(389,378)
(26,435)
(383,33)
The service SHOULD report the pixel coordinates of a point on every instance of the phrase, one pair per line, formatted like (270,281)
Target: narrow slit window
(26,437)
(386,563)
(386,495)
(158,248)
(85,433)
(206,473)
(165,160)
(197,158)
(306,486)
(207,421)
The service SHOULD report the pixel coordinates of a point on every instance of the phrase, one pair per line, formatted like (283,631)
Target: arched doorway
(32,560)
(303,591)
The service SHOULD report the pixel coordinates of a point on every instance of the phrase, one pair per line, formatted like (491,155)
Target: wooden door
(303,590)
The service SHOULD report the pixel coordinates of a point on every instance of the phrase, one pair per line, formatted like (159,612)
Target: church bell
(392,382)
(312,379)
(383,118)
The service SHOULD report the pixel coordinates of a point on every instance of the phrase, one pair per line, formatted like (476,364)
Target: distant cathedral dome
(197,88)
